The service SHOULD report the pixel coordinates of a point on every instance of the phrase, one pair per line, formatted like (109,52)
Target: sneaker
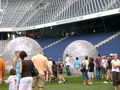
(105,82)
(59,82)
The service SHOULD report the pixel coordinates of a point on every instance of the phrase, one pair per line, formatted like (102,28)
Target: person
(2,69)
(109,69)
(41,63)
(67,62)
(91,70)
(16,65)
(12,80)
(115,71)
(77,66)
(50,63)
(84,70)
(26,67)
(60,71)
(98,67)
(54,70)
(104,66)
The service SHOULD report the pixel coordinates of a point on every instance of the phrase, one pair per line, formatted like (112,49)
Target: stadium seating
(112,46)
(19,13)
(56,51)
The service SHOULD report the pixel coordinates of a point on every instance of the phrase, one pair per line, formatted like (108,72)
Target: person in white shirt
(84,70)
(50,63)
(12,80)
(115,71)
(67,63)
(104,66)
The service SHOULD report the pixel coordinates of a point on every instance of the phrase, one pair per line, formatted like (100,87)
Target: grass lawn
(73,83)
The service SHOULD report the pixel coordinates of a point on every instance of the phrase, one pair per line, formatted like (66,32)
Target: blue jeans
(98,73)
(85,75)
(68,70)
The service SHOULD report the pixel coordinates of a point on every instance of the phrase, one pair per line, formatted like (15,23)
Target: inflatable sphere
(22,44)
(80,49)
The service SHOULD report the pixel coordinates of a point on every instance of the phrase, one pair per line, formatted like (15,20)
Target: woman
(16,65)
(77,66)
(25,70)
(115,71)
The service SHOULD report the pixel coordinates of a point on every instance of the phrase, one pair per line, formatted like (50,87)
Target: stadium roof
(18,15)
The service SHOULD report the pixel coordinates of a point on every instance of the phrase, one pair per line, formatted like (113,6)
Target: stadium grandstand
(54,24)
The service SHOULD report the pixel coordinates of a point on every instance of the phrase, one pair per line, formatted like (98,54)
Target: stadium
(54,24)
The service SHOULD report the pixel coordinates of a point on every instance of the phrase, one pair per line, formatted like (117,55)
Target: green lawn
(73,83)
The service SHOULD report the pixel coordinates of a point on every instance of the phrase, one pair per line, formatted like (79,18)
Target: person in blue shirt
(77,66)
(16,65)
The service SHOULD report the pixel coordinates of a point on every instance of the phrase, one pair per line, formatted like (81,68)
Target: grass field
(73,83)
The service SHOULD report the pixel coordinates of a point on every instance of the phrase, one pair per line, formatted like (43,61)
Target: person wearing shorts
(60,71)
(77,66)
(115,71)
(91,70)
(104,66)
(41,63)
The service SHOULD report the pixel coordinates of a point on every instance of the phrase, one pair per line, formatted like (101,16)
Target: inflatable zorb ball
(80,49)
(22,44)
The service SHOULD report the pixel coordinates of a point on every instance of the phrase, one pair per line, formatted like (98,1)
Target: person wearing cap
(2,69)
(115,71)
(109,69)
(104,65)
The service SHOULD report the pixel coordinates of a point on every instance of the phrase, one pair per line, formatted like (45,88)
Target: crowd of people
(21,77)
(101,67)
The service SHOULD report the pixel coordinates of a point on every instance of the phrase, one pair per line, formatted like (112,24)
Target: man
(84,65)
(98,67)
(67,62)
(109,69)
(41,63)
(2,69)
(104,66)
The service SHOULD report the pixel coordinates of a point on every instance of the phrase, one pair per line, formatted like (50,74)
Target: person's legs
(84,77)
(68,70)
(115,80)
(116,87)
(0,81)
(23,84)
(97,73)
(29,81)
(34,82)
(90,77)
(41,82)
(86,74)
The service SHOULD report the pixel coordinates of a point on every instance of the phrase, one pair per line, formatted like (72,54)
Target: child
(60,71)
(12,80)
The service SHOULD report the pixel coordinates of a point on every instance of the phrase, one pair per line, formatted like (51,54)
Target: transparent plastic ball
(26,44)
(80,49)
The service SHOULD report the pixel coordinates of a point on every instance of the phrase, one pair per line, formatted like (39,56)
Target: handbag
(34,71)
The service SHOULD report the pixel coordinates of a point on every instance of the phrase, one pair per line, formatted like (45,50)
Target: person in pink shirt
(98,67)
